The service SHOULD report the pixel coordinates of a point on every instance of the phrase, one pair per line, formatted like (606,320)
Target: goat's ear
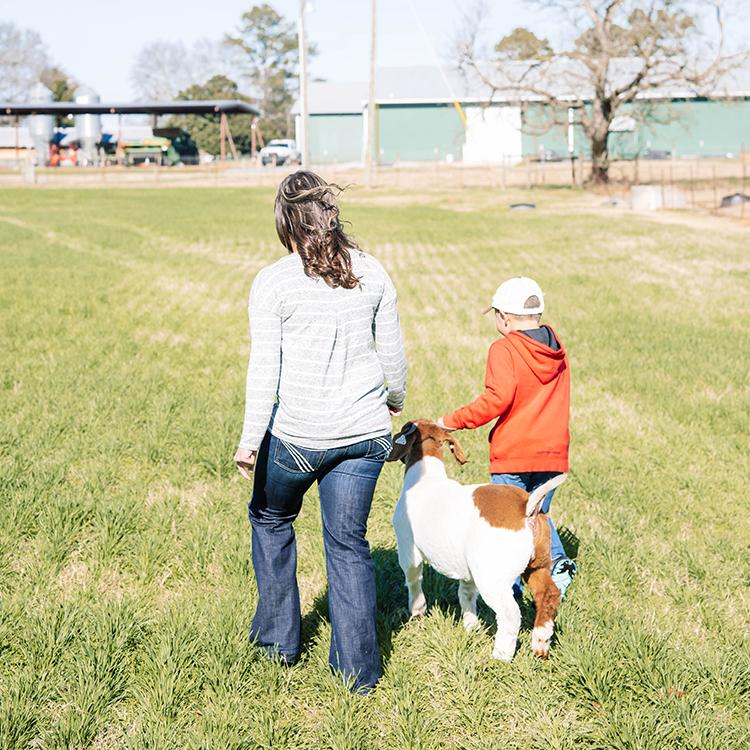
(402,442)
(397,452)
(456,449)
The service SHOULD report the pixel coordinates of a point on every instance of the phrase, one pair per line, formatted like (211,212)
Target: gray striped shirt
(325,363)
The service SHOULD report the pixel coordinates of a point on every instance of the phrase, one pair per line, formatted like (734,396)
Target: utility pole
(571,144)
(304,145)
(370,151)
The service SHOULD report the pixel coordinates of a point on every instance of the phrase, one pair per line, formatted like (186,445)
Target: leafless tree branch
(622,55)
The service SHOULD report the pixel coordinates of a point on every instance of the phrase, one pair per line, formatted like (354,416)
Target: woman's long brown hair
(307,222)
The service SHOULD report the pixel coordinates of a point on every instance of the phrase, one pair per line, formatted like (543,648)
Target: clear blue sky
(97,41)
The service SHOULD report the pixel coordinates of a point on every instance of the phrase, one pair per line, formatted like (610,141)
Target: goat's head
(423,438)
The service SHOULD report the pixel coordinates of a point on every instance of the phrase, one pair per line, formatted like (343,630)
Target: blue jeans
(529,481)
(346,482)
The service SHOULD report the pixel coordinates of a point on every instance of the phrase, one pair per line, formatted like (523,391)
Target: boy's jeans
(346,481)
(529,481)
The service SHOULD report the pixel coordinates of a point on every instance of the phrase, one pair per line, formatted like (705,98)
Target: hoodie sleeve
(499,391)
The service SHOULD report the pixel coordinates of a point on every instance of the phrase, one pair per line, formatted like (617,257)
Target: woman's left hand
(245,460)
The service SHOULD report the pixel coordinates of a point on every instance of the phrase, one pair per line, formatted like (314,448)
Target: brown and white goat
(483,535)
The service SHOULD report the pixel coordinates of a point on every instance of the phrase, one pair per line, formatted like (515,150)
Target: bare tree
(162,69)
(23,58)
(621,56)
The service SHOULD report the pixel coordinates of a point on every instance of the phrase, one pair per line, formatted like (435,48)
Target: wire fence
(715,185)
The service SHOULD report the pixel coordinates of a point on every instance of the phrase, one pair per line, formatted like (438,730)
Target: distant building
(61,137)
(417,121)
(15,145)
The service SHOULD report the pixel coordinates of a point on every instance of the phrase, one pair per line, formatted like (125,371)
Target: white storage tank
(41,127)
(88,127)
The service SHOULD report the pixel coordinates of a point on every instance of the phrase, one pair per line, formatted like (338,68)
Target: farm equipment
(167,147)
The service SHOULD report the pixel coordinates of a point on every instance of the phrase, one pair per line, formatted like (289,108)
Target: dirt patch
(190,498)
(73,577)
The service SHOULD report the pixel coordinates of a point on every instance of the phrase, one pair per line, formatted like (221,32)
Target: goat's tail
(537,496)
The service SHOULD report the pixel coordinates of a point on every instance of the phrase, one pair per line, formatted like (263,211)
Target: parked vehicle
(656,154)
(547,155)
(280,151)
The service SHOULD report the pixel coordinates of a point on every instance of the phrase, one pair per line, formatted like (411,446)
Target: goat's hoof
(471,621)
(540,639)
(503,655)
(418,607)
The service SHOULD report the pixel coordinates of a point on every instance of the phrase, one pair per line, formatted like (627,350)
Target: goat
(483,535)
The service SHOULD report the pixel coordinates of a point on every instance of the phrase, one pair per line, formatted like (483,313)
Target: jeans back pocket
(380,448)
(296,459)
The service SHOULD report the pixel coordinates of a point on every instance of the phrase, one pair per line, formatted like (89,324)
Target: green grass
(125,575)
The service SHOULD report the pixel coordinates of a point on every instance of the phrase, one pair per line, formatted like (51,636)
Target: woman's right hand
(245,461)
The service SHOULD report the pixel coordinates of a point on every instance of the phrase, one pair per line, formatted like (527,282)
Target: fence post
(716,200)
(661,187)
(744,177)
(692,189)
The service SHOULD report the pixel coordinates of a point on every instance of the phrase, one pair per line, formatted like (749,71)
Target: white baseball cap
(518,296)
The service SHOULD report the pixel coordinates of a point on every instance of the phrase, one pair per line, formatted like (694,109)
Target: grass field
(125,575)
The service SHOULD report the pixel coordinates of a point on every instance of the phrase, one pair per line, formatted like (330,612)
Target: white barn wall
(493,134)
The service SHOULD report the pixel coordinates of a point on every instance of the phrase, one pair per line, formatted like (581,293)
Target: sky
(96,42)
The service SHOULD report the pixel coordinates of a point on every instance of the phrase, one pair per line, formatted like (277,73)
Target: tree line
(257,63)
(614,55)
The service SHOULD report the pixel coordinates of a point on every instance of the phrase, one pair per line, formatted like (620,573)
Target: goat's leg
(417,600)
(410,559)
(547,600)
(467,598)
(499,596)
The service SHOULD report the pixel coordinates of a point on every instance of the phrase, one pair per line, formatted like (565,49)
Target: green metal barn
(417,121)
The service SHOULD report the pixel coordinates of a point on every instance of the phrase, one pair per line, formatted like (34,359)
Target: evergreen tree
(205,129)
(268,43)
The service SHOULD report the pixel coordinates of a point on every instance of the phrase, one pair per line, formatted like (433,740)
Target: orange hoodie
(527,388)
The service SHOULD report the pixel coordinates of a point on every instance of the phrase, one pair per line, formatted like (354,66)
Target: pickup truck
(280,151)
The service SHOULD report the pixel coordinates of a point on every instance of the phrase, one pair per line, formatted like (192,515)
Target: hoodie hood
(543,361)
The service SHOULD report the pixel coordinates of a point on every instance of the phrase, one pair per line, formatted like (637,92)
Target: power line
(438,65)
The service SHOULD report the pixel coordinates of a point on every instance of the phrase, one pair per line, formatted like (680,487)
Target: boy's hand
(439,422)
(245,461)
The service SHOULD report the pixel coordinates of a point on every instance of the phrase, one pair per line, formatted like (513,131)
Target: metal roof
(195,106)
(427,84)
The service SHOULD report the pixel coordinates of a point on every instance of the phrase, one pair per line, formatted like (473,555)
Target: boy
(527,389)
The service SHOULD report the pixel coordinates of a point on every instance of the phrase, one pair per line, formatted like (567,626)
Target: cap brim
(487,309)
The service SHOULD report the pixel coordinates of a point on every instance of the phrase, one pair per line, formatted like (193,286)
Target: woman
(327,369)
